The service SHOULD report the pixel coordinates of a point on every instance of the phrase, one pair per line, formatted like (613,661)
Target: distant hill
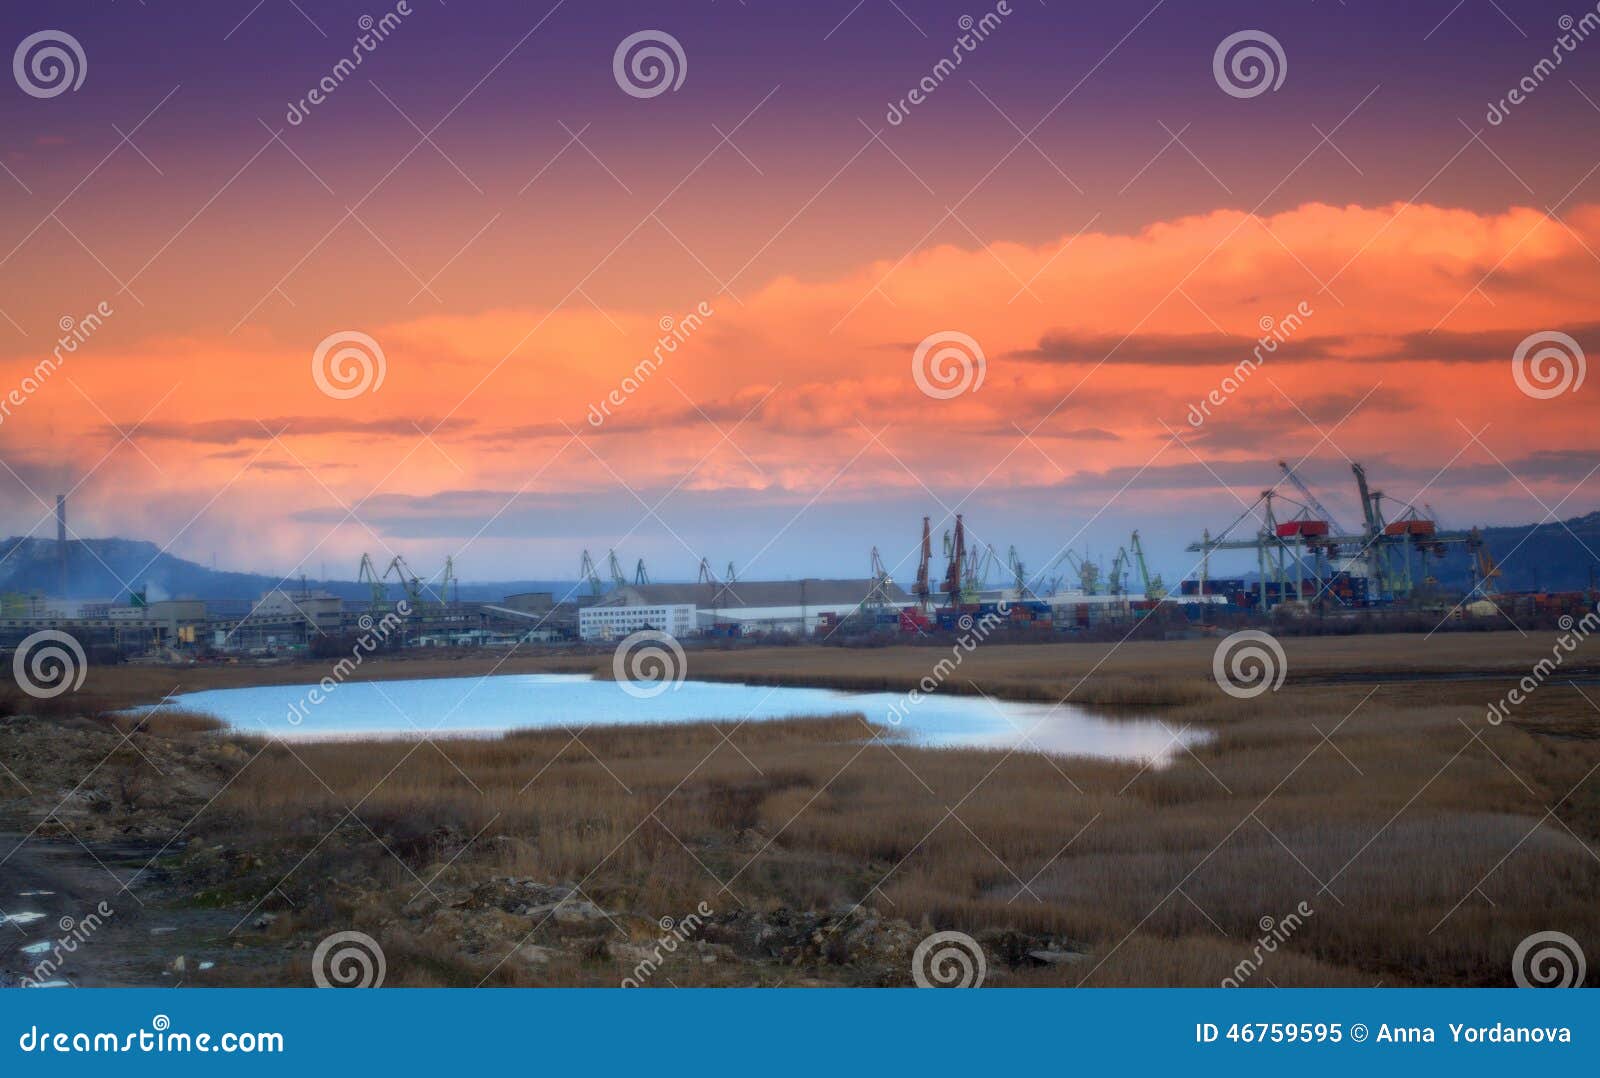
(1536,557)
(105,569)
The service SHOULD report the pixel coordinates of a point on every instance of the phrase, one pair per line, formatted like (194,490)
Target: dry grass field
(1426,842)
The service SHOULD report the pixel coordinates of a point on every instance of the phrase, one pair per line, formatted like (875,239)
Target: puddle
(161,931)
(27,917)
(207,965)
(48,984)
(37,948)
(35,894)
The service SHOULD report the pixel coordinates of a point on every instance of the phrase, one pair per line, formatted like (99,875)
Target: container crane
(1312,502)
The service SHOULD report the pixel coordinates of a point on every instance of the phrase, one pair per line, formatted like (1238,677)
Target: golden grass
(1418,833)
(1399,834)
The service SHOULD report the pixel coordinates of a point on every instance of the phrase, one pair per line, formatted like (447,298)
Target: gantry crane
(955,573)
(617,579)
(640,577)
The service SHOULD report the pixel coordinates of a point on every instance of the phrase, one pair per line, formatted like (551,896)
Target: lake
(483,706)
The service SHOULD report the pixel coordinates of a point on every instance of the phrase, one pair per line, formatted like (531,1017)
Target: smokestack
(61,539)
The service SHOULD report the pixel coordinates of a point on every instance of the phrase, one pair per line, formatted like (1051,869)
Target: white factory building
(608,621)
(778,606)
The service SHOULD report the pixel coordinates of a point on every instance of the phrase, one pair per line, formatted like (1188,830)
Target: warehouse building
(777,606)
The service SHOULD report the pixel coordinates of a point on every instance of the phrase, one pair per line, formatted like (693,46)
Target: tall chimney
(61,539)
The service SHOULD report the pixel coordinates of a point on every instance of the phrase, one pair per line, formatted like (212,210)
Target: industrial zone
(1302,563)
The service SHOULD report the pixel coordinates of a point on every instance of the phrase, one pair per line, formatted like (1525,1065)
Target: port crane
(408,580)
(922,590)
(368,575)
(1154,589)
(586,572)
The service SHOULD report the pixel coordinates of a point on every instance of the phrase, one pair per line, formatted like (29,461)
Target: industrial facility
(1298,560)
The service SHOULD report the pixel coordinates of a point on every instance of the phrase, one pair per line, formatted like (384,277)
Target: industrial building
(749,606)
(611,621)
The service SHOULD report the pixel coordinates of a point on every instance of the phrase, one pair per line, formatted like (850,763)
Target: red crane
(953,581)
(921,590)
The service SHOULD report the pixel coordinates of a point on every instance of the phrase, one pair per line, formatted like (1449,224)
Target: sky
(419,310)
